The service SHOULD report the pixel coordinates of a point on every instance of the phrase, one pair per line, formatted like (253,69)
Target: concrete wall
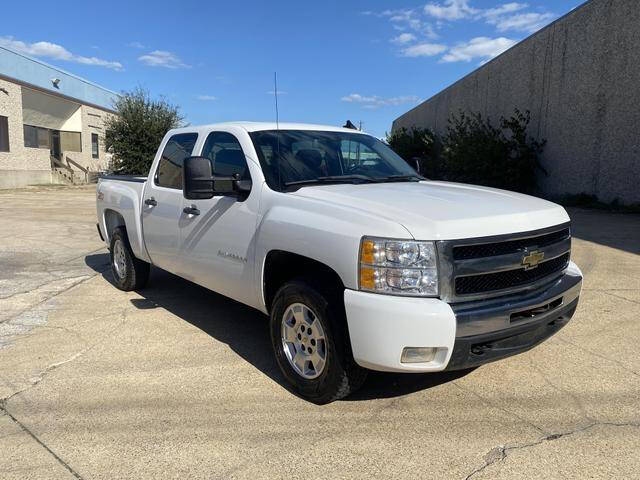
(580,78)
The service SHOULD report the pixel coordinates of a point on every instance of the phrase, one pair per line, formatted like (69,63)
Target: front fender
(328,234)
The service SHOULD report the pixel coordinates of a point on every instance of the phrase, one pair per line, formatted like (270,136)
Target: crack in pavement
(620,297)
(59,292)
(571,395)
(491,404)
(499,453)
(586,350)
(3,409)
(39,378)
(37,287)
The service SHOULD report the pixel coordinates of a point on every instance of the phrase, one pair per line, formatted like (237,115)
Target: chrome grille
(473,269)
(464,252)
(489,282)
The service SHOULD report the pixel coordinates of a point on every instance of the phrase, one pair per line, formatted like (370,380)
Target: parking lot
(178,382)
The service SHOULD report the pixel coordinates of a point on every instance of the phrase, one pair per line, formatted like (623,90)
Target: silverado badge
(532,259)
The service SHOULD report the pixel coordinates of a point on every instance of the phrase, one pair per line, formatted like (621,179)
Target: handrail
(60,164)
(80,167)
(76,164)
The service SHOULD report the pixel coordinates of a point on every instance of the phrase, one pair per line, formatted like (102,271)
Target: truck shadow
(246,330)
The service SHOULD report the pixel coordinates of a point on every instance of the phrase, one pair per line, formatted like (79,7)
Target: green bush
(474,151)
(134,134)
(419,145)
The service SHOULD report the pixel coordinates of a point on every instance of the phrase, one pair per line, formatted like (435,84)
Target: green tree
(132,135)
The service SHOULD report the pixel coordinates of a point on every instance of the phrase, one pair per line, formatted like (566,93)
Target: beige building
(51,124)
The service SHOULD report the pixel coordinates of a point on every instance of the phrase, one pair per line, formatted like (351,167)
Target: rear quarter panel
(119,202)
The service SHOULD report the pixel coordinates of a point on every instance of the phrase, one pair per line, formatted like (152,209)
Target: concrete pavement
(179,382)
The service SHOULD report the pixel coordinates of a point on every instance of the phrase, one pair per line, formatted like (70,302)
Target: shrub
(417,145)
(474,151)
(133,135)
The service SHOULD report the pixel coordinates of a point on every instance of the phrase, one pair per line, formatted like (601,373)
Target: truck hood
(442,210)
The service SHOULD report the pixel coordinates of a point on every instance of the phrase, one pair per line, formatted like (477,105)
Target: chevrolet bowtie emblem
(532,260)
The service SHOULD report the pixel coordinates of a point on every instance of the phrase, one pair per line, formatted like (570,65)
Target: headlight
(398,267)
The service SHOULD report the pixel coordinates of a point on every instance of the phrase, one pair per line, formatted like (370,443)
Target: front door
(162,202)
(55,144)
(217,248)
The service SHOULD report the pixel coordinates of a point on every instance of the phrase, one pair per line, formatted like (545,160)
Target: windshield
(294,158)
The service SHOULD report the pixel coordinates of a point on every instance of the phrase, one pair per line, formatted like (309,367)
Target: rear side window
(179,147)
(226,155)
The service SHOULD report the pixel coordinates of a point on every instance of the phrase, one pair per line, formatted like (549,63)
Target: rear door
(217,245)
(162,202)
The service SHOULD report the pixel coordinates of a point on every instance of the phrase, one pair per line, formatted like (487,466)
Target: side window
(226,155)
(179,147)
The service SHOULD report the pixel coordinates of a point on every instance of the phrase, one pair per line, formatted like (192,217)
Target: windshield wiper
(333,179)
(402,178)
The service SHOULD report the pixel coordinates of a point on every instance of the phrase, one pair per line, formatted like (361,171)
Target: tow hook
(480,349)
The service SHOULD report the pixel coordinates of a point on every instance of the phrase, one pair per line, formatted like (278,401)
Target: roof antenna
(275,94)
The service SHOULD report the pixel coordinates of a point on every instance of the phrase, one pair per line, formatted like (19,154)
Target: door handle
(192,210)
(151,202)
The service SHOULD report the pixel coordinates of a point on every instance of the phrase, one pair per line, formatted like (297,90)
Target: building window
(4,134)
(70,142)
(94,146)
(37,137)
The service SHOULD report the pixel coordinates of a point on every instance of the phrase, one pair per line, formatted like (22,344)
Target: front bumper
(466,334)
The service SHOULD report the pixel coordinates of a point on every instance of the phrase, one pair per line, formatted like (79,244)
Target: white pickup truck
(359,262)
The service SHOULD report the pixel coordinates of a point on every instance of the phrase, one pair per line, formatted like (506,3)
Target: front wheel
(311,343)
(129,273)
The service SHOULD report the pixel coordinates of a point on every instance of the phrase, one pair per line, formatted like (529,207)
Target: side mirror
(199,183)
(197,180)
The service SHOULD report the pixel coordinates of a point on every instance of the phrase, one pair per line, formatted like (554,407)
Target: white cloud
(450,10)
(403,38)
(504,17)
(407,19)
(423,50)
(480,47)
(137,45)
(503,9)
(522,22)
(56,52)
(374,101)
(207,98)
(162,58)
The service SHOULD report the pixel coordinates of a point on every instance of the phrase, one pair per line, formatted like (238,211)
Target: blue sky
(367,61)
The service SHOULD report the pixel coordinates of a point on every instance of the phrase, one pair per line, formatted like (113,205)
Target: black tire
(129,273)
(340,375)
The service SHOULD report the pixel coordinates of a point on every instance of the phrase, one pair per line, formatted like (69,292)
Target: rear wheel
(129,273)
(311,342)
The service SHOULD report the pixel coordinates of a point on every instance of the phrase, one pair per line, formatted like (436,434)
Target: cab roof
(259,126)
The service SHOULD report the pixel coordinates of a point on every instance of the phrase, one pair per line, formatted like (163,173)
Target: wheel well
(281,266)
(113,220)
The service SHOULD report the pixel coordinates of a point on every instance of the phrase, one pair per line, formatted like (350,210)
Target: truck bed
(125,178)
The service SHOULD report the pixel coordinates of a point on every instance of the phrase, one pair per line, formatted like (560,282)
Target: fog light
(418,354)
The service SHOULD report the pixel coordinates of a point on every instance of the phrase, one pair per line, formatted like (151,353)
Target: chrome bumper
(498,328)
